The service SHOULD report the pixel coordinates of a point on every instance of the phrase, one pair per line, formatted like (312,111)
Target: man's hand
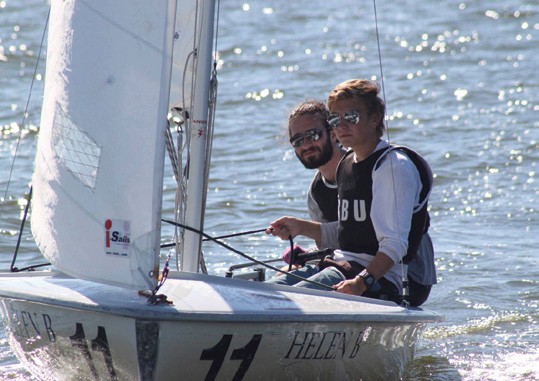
(291,227)
(284,228)
(354,286)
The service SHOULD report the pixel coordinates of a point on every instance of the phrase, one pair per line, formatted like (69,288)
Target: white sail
(99,168)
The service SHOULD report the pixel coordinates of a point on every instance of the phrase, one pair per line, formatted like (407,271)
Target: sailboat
(104,309)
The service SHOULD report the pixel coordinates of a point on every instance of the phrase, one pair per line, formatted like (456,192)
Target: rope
(246,256)
(292,254)
(153,298)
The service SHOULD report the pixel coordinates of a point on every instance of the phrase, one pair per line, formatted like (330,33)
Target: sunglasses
(311,135)
(350,117)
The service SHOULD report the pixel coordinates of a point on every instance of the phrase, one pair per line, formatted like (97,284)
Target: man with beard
(316,146)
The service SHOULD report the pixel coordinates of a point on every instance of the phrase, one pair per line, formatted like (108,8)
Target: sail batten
(99,166)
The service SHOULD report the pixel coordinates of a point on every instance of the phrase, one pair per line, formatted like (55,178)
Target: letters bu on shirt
(358,211)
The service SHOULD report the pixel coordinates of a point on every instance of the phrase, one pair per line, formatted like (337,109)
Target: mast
(199,136)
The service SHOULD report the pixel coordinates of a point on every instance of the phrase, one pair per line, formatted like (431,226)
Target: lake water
(462,89)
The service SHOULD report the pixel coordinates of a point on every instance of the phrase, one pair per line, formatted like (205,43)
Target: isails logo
(117,237)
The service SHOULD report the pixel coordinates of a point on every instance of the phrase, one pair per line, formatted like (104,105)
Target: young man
(380,190)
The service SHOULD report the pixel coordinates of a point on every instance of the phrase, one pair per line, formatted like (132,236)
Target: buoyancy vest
(325,197)
(355,231)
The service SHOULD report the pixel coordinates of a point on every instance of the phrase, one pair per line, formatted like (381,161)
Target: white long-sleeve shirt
(396,192)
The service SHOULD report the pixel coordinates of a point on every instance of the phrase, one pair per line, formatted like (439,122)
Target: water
(461,88)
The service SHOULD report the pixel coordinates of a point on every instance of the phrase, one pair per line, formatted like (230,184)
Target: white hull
(217,328)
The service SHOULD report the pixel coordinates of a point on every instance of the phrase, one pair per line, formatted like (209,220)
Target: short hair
(311,107)
(364,91)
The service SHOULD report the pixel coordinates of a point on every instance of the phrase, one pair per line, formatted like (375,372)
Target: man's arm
(329,235)
(380,265)
(396,189)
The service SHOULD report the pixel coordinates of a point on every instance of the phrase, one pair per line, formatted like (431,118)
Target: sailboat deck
(207,298)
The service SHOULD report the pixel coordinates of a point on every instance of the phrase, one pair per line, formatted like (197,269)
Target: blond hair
(364,91)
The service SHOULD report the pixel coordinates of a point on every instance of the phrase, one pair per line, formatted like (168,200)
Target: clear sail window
(77,152)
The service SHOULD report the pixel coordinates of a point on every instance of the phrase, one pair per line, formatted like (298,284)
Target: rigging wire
(172,244)
(216,34)
(25,114)
(404,279)
(246,255)
(12,267)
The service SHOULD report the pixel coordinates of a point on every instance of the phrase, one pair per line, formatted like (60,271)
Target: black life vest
(325,197)
(356,232)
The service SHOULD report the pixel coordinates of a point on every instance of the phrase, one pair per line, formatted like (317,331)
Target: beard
(316,161)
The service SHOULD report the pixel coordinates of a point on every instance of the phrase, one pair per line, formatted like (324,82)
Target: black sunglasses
(350,117)
(311,135)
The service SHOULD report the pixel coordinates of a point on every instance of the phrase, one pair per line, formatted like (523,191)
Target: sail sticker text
(117,237)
